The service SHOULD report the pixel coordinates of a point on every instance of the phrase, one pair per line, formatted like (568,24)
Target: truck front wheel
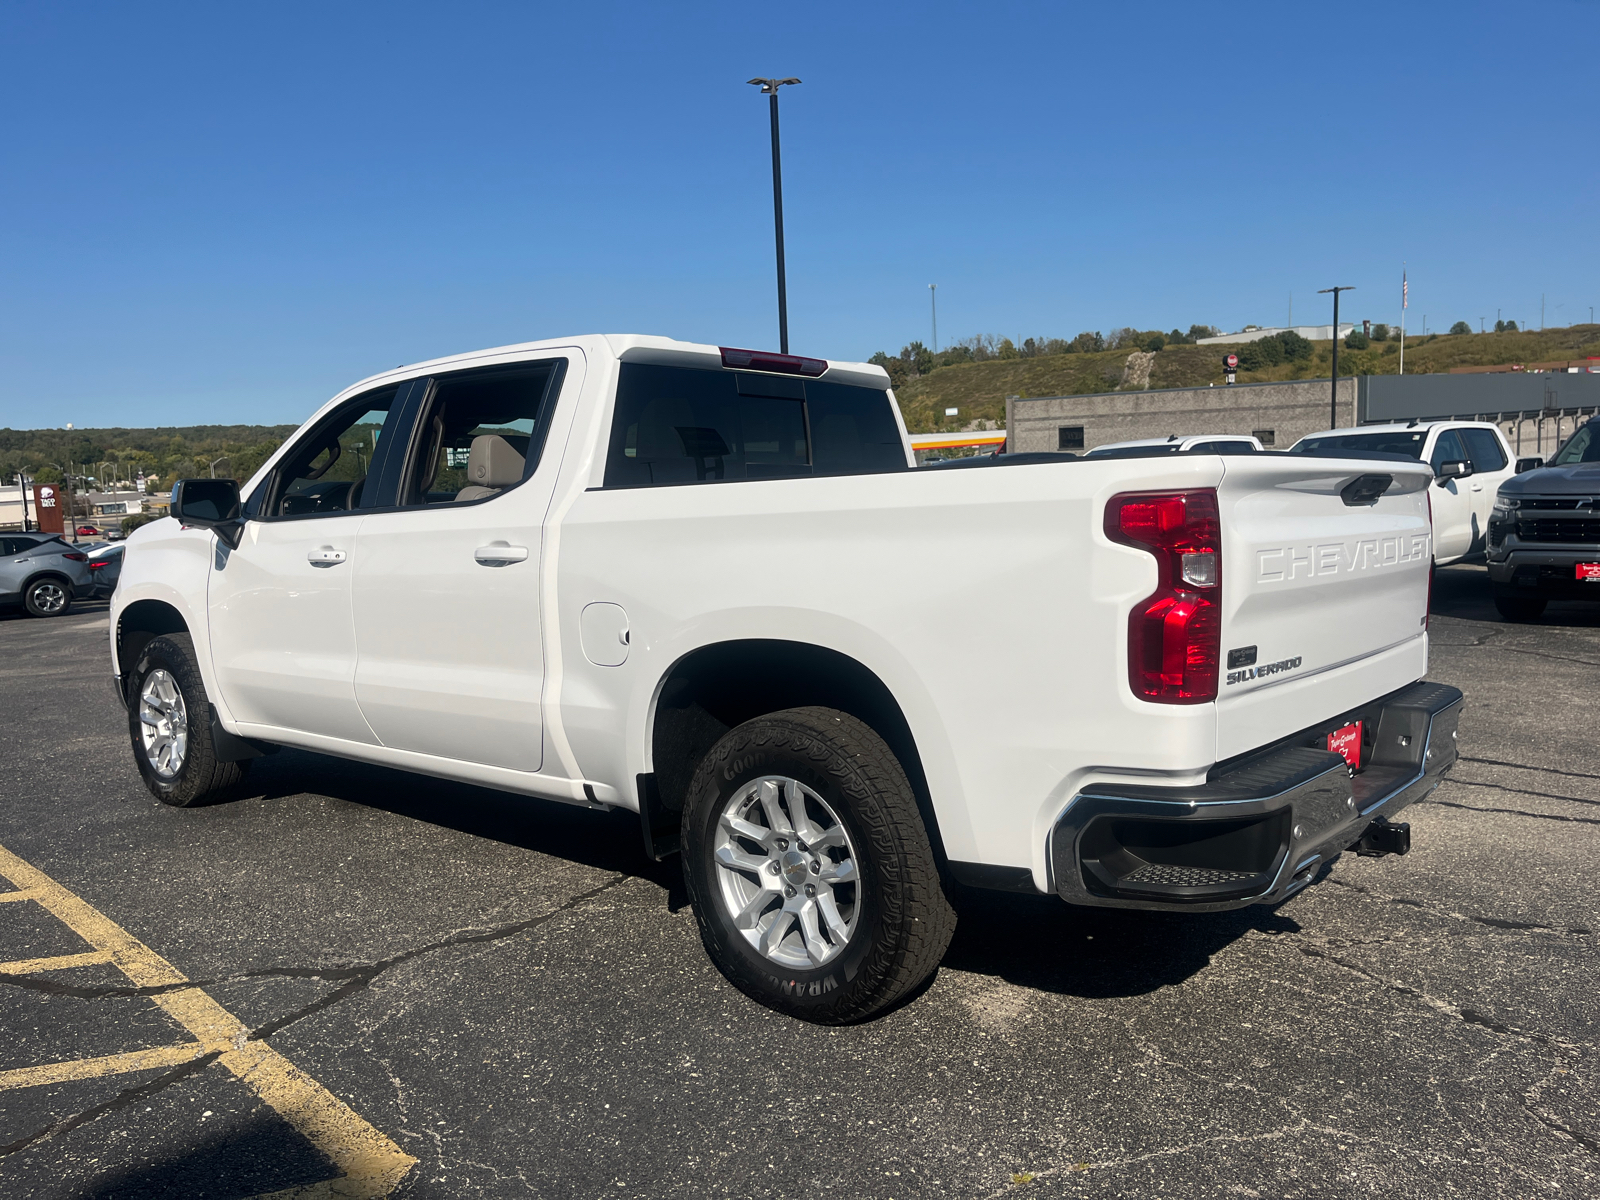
(812,875)
(169,722)
(1520,608)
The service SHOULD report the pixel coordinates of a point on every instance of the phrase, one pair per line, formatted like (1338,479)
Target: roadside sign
(1232,362)
(48,499)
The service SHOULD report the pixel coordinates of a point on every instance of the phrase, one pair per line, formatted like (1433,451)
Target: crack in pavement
(1467,1016)
(1497,762)
(354,979)
(1514,812)
(1531,1099)
(1438,911)
(1522,791)
(351,978)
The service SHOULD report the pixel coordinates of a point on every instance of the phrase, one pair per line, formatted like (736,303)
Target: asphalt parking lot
(347,969)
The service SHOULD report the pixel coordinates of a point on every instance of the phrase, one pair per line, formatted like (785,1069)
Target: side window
(678,425)
(10,546)
(481,432)
(326,471)
(1484,448)
(1447,449)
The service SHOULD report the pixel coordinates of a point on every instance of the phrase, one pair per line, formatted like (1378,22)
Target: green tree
(47,474)
(1089,343)
(1356,340)
(1499,326)
(1511,327)
(1295,347)
(1460,327)
(1007,350)
(1196,332)
(1155,342)
(1380,333)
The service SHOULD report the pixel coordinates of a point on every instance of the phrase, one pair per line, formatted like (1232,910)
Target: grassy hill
(979,389)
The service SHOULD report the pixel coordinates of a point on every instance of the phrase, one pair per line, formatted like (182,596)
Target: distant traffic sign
(1232,360)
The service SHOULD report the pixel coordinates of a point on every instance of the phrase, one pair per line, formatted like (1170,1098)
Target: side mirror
(210,504)
(1529,464)
(1451,470)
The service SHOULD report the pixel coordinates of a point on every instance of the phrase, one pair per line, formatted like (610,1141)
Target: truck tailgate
(1324,590)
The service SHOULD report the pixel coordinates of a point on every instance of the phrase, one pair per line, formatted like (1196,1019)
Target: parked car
(1470,460)
(42,573)
(105,565)
(1544,532)
(88,531)
(691,581)
(1208,443)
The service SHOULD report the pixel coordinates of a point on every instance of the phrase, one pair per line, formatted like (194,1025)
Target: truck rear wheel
(169,722)
(812,875)
(1520,608)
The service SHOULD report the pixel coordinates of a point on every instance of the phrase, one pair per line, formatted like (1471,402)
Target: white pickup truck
(709,585)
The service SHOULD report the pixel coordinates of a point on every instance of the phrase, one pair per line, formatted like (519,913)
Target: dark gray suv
(1544,532)
(42,573)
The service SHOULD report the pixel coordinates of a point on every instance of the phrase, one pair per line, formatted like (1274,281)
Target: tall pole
(933,299)
(1333,397)
(770,88)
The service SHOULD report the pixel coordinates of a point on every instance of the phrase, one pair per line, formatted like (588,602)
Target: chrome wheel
(787,872)
(49,598)
(163,723)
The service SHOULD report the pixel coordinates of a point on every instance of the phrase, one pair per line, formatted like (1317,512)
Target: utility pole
(1333,398)
(1405,301)
(933,298)
(1541,312)
(769,88)
(214,463)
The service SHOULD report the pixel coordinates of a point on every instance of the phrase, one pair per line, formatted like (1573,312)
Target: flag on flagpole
(1404,290)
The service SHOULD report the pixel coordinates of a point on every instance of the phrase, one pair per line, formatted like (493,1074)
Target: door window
(481,432)
(678,425)
(1484,449)
(327,471)
(1447,449)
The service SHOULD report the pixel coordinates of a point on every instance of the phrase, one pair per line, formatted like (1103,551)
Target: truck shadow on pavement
(1032,941)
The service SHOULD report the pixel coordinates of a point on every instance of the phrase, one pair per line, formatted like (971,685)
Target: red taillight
(1175,634)
(765,360)
(74,556)
(95,566)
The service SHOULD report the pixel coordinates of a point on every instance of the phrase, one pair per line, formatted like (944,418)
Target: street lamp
(1333,401)
(214,463)
(769,87)
(933,298)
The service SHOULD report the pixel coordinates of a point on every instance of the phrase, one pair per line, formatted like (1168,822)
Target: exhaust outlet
(1384,836)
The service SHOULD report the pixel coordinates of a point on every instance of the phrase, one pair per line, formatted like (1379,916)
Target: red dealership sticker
(1588,572)
(1346,742)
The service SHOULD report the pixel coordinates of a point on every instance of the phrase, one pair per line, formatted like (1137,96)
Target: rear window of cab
(684,425)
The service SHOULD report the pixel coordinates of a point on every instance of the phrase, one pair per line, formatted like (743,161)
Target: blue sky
(225,213)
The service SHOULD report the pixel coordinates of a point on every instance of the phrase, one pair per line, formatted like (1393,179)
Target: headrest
(494,462)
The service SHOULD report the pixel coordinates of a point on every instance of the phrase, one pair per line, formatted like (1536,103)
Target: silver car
(42,573)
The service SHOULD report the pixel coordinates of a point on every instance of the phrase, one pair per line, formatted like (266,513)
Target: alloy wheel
(163,723)
(787,871)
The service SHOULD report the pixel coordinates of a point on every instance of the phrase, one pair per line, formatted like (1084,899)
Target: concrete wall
(1290,410)
(1312,333)
(1401,397)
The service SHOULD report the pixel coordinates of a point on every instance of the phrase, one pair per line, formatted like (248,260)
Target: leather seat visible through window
(492,464)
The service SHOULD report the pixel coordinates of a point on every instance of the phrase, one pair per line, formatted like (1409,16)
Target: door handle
(500,554)
(325,556)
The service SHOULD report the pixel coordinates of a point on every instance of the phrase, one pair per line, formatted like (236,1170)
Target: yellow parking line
(61,962)
(369,1164)
(95,1068)
(4,896)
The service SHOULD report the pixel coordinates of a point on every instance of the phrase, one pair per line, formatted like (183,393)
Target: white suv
(1470,461)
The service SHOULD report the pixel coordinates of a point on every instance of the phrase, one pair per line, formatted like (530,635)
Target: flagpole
(1404,297)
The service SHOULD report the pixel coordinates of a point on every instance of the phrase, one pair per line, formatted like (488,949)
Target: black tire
(199,775)
(48,596)
(1520,608)
(902,920)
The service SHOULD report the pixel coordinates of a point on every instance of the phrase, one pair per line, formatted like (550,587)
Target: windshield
(1581,447)
(1395,441)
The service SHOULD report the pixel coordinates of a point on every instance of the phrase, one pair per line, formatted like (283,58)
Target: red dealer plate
(1588,573)
(1347,743)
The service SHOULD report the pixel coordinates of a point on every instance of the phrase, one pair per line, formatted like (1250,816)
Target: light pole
(933,299)
(769,87)
(1333,400)
(214,463)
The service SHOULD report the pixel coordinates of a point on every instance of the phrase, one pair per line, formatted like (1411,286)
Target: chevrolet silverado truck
(1544,533)
(704,584)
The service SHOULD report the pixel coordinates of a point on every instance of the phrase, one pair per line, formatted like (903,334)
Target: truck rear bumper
(1258,830)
